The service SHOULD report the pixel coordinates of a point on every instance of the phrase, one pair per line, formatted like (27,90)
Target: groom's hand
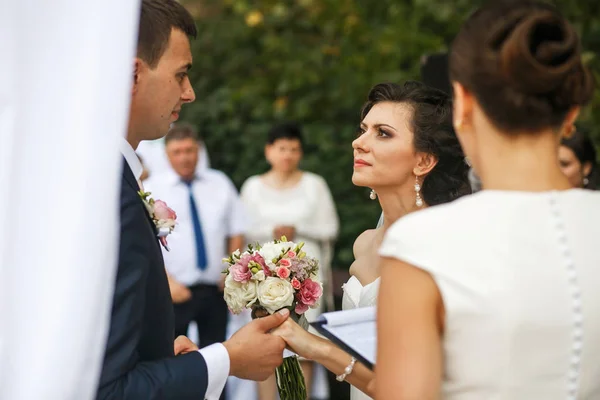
(253,352)
(184,345)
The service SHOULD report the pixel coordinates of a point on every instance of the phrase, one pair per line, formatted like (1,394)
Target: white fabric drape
(65,79)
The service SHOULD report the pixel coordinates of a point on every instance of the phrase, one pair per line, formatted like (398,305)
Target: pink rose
(162,211)
(301,308)
(284,262)
(240,273)
(291,254)
(296,284)
(310,292)
(283,272)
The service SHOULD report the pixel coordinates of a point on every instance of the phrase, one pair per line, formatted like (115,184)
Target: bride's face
(384,154)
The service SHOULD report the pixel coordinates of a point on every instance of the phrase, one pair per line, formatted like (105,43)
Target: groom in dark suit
(142,360)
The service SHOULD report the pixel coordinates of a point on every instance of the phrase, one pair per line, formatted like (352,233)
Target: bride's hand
(298,340)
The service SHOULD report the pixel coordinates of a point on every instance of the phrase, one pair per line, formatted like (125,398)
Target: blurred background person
(155,157)
(210,225)
(577,157)
(286,201)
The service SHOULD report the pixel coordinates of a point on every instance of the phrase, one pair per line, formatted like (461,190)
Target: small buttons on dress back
(576,303)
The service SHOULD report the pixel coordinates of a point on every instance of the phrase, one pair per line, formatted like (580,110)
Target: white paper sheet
(356,328)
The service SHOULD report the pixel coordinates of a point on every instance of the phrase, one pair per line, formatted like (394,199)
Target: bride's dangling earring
(373,195)
(418,200)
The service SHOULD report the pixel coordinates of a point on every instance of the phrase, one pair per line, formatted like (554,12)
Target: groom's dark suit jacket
(139,362)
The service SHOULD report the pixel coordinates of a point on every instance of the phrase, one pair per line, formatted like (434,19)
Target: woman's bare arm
(409,328)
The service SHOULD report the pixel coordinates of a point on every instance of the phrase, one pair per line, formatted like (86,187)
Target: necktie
(200,250)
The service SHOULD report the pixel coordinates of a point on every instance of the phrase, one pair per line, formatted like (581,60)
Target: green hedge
(313,61)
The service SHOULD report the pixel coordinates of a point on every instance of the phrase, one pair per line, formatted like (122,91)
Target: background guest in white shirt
(194,264)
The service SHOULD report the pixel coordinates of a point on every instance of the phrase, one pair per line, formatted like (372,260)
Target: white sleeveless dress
(519,274)
(356,295)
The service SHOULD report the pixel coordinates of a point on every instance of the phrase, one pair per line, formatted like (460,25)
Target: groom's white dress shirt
(215,356)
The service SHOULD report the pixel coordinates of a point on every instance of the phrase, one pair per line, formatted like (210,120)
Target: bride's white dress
(356,295)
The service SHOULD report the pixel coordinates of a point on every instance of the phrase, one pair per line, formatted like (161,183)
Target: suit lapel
(131,181)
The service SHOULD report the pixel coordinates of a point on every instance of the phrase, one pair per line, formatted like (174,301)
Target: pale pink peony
(283,272)
(296,284)
(310,292)
(245,259)
(240,273)
(301,308)
(257,258)
(284,262)
(291,254)
(162,211)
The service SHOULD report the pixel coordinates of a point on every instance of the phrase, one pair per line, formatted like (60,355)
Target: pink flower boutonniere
(163,217)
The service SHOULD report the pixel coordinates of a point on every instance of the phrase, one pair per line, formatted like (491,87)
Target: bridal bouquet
(268,278)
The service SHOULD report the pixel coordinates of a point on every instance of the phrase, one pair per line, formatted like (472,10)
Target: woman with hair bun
(495,295)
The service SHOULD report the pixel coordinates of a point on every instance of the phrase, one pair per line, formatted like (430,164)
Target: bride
(408,153)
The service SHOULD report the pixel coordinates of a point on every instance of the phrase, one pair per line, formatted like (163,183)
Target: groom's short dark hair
(157,19)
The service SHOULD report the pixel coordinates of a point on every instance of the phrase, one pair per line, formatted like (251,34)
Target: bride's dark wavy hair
(433,132)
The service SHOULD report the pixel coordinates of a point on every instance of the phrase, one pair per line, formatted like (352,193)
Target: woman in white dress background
(495,296)
(408,153)
(286,201)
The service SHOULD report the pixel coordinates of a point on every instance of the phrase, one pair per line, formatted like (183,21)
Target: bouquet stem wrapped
(290,379)
(289,375)
(268,278)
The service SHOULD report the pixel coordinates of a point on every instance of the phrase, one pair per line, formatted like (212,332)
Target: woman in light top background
(286,201)
(495,296)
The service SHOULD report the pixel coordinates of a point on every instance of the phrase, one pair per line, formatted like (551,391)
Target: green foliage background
(313,61)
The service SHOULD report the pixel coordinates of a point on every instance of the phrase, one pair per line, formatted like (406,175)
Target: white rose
(239,295)
(259,276)
(271,250)
(275,294)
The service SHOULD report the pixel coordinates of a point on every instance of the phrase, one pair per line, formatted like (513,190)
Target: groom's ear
(137,64)
(425,163)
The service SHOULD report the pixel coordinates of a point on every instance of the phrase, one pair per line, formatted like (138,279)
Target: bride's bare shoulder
(362,248)
(363,242)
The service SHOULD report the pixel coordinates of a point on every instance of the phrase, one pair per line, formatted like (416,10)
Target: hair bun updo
(542,56)
(522,61)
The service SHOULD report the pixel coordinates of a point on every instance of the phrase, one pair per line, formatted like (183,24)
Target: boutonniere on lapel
(163,217)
